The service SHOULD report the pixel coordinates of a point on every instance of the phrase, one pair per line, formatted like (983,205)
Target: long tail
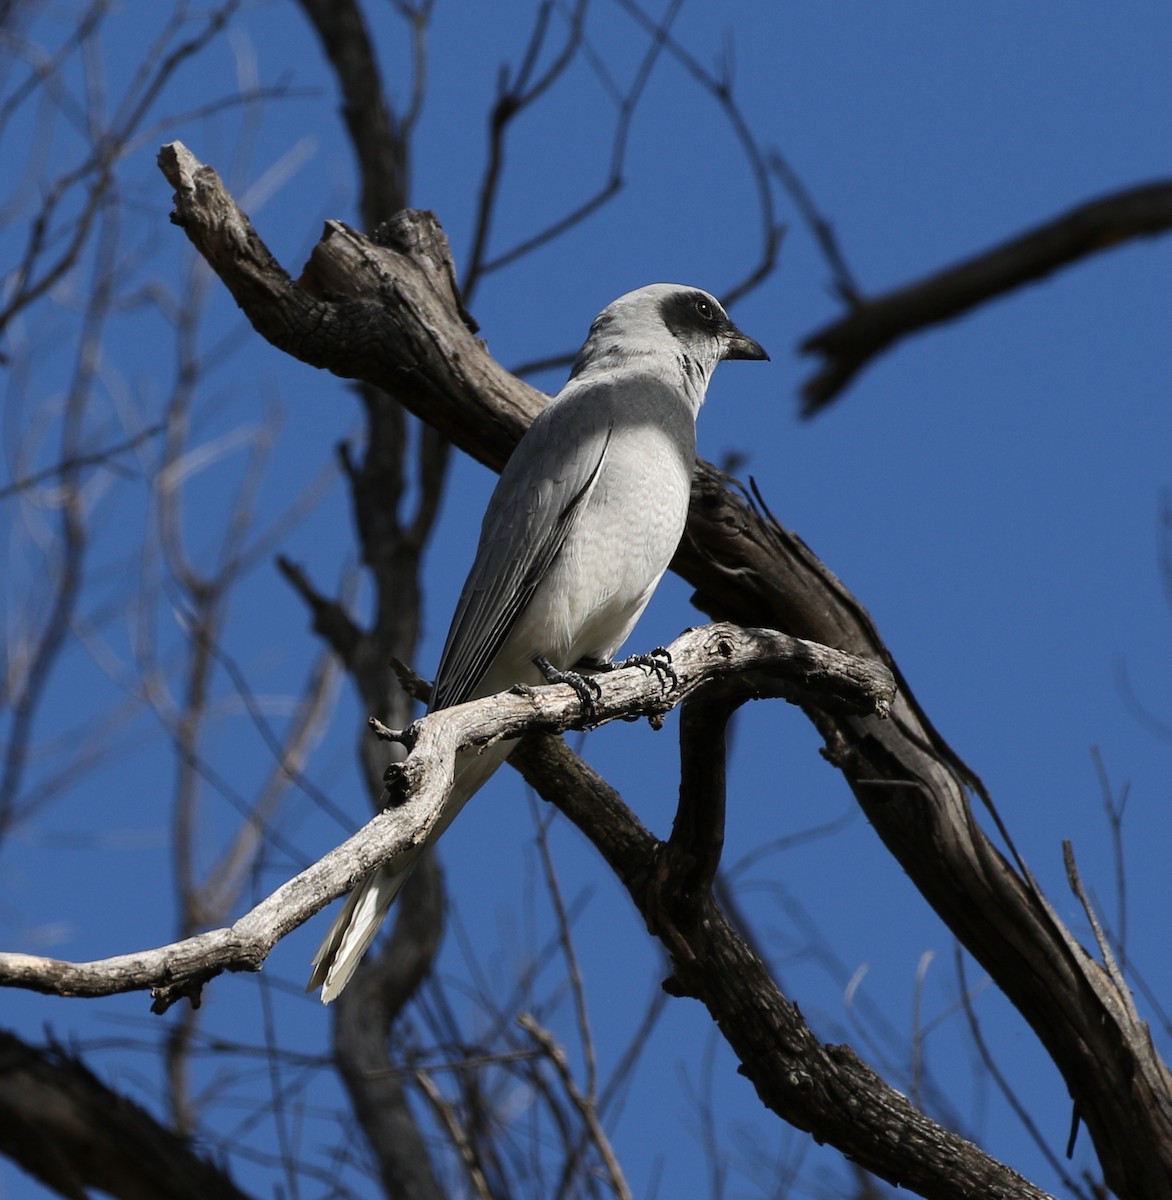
(354,928)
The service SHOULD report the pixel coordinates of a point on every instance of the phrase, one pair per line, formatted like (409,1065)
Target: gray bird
(583,522)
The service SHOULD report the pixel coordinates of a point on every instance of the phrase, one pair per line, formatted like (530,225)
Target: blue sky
(990,491)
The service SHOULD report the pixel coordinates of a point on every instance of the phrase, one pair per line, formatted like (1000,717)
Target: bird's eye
(704,310)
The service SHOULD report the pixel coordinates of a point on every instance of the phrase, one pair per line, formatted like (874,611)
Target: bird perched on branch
(583,522)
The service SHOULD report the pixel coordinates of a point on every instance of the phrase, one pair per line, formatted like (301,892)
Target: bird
(581,526)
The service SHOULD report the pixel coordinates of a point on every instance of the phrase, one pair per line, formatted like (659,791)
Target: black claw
(586,689)
(657,661)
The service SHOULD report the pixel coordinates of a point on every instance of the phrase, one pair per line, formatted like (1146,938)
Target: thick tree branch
(781,666)
(689,859)
(399,335)
(826,1090)
(390,313)
(370,1006)
(68,1130)
(871,326)
(391,543)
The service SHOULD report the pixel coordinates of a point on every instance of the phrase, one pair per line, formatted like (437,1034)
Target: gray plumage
(583,523)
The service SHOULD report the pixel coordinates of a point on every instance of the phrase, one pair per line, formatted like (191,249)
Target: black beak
(739,345)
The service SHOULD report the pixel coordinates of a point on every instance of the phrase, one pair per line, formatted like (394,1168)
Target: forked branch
(782,666)
(388,312)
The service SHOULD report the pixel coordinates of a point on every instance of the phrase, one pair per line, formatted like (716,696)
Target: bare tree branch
(34,276)
(458,1134)
(391,544)
(380,143)
(388,313)
(370,1006)
(873,325)
(824,1089)
(419,785)
(95,458)
(845,286)
(512,99)
(719,85)
(71,1132)
(1003,1085)
(583,1102)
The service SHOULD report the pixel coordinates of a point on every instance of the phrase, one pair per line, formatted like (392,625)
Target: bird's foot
(586,689)
(657,662)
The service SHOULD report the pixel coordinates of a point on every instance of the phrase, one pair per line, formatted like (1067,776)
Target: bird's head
(684,327)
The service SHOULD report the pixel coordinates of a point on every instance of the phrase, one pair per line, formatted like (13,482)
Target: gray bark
(388,314)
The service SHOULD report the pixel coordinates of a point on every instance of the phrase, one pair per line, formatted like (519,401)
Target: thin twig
(573,968)
(1003,1084)
(820,227)
(71,465)
(1101,939)
(585,1106)
(918,1031)
(456,1132)
(720,88)
(1114,809)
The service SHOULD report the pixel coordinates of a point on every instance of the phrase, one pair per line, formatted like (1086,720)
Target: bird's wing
(543,486)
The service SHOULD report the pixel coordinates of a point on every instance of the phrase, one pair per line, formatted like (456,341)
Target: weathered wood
(781,666)
(823,1089)
(389,317)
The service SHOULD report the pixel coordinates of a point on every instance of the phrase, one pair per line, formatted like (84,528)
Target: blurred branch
(69,466)
(223,882)
(380,142)
(584,1103)
(391,543)
(44,69)
(1005,1088)
(26,686)
(458,1135)
(875,324)
(331,622)
(33,275)
(370,1006)
(573,968)
(72,1133)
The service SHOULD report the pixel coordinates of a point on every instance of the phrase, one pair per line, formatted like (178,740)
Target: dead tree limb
(824,1089)
(418,786)
(67,1129)
(873,325)
(388,313)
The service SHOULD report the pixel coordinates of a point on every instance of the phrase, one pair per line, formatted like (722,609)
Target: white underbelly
(614,555)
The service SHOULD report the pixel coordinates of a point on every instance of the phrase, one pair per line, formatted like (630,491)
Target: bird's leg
(586,689)
(657,661)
